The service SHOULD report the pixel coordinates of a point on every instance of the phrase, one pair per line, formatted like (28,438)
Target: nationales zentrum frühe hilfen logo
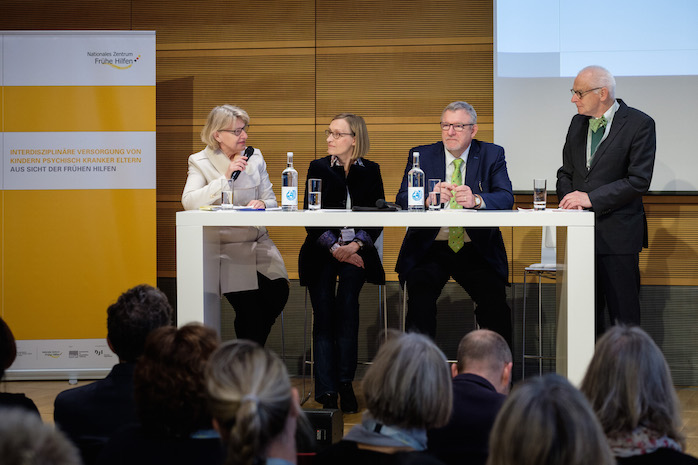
(118,60)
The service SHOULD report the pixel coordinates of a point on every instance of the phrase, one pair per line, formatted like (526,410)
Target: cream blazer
(244,250)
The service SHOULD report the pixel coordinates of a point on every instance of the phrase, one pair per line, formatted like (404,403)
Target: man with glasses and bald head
(607,164)
(473,175)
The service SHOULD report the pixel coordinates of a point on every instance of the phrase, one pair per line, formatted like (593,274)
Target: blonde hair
(250,396)
(547,421)
(629,384)
(360,133)
(218,119)
(409,384)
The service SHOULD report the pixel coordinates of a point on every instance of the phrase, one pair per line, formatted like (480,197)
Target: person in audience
(350,254)
(547,421)
(253,276)
(481,378)
(25,440)
(90,414)
(407,391)
(254,407)
(8,354)
(175,426)
(629,386)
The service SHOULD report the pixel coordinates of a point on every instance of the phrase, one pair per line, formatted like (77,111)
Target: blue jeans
(336,324)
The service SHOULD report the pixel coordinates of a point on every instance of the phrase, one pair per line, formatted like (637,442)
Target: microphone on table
(383,205)
(248,153)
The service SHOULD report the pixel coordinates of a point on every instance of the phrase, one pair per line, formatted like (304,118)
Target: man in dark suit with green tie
(607,164)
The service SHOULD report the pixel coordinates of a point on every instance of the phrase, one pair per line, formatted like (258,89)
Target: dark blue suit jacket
(90,414)
(619,174)
(466,437)
(486,174)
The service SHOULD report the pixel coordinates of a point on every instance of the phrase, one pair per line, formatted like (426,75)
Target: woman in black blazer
(348,179)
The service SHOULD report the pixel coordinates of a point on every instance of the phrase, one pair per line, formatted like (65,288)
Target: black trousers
(256,310)
(618,288)
(469,269)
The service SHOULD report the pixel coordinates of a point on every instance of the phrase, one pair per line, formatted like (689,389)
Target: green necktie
(598,127)
(455,233)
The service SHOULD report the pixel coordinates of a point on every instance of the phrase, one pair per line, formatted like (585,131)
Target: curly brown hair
(169,380)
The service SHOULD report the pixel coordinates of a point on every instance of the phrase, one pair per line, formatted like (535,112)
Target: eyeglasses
(582,93)
(337,135)
(456,126)
(237,131)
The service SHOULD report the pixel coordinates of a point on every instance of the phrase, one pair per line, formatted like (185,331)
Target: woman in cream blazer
(252,273)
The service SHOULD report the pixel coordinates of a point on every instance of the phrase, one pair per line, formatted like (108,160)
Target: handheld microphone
(383,205)
(248,153)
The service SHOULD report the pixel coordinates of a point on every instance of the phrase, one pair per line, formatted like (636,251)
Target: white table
(198,263)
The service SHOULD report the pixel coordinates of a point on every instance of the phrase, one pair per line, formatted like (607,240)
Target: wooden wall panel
(39,15)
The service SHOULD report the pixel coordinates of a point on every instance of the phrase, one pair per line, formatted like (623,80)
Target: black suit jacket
(466,437)
(619,174)
(365,186)
(486,174)
(90,414)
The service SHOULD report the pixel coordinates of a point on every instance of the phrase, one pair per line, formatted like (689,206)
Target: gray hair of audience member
(409,384)
(460,105)
(601,77)
(628,384)
(133,316)
(220,118)
(484,347)
(547,421)
(25,440)
(249,396)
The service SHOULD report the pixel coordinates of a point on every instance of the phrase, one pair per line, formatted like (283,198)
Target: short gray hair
(409,384)
(460,105)
(629,384)
(601,77)
(219,118)
(548,421)
(25,440)
(484,347)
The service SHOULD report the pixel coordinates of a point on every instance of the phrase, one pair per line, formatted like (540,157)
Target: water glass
(539,194)
(226,194)
(434,194)
(314,194)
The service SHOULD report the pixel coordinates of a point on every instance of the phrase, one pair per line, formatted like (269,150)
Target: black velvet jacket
(365,186)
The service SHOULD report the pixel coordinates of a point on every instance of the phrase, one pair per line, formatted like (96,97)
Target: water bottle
(289,186)
(415,186)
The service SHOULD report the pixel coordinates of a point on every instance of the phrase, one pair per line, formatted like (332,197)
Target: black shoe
(329,400)
(347,398)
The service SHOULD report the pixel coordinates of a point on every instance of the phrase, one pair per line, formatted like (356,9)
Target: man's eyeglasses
(582,93)
(237,131)
(337,135)
(456,126)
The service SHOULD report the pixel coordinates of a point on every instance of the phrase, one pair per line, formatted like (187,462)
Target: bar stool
(546,269)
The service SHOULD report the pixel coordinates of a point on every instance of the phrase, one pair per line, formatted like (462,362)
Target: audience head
(250,398)
(25,440)
(629,385)
(358,129)
(169,380)
(219,118)
(8,347)
(547,421)
(408,385)
(133,316)
(487,354)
